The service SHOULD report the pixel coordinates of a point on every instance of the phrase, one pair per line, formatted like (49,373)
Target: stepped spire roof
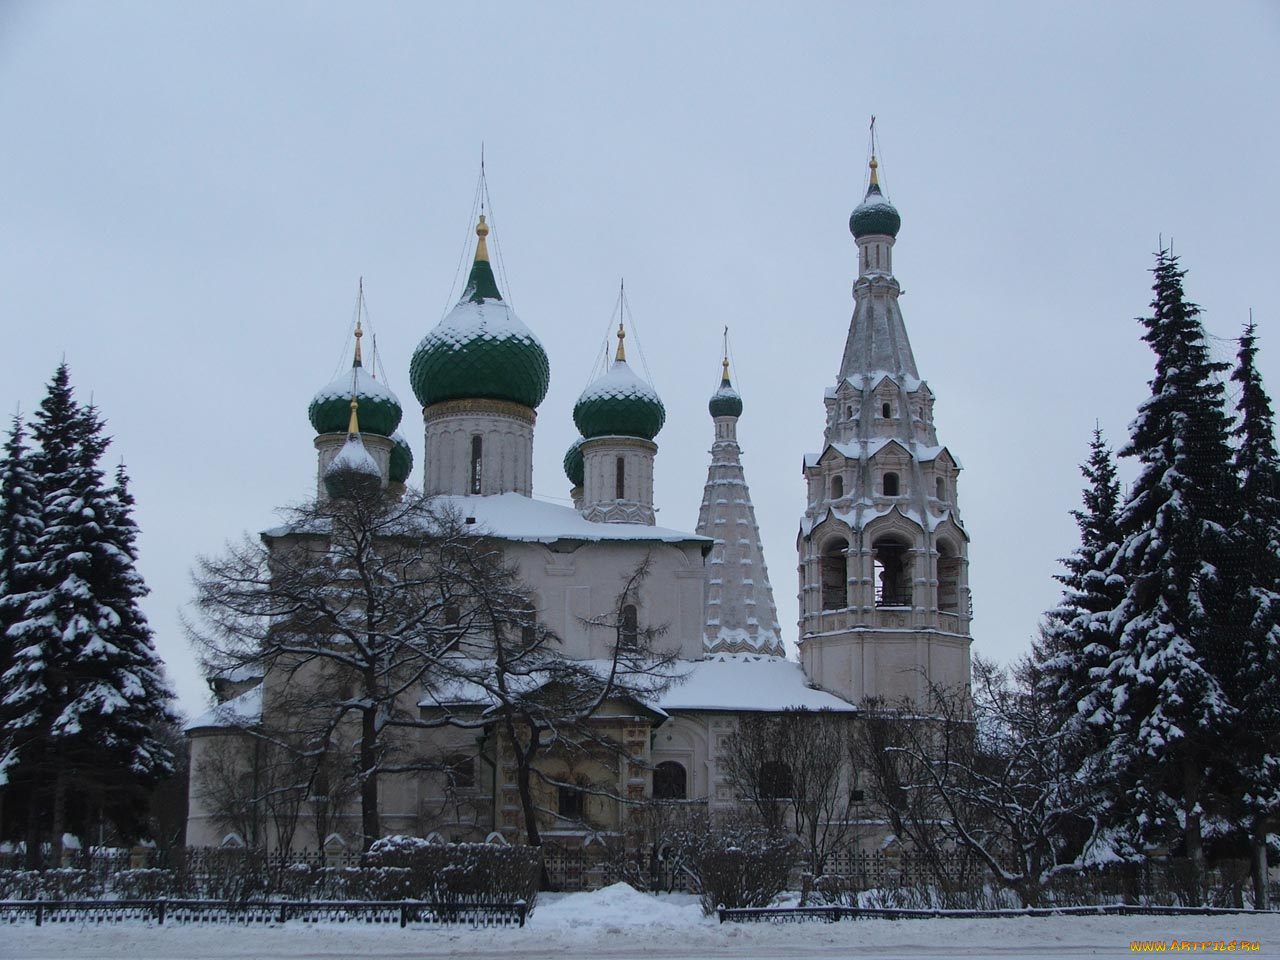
(741,616)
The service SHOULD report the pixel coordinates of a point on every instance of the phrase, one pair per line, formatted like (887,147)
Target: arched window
(835,576)
(940,485)
(837,487)
(451,614)
(892,577)
(775,780)
(477,461)
(948,579)
(890,484)
(886,410)
(670,781)
(620,479)
(848,412)
(629,628)
(460,770)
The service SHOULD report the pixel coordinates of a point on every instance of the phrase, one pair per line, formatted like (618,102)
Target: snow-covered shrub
(20,884)
(461,873)
(741,865)
(148,883)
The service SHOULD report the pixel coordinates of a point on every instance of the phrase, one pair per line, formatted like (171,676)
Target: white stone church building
(882,552)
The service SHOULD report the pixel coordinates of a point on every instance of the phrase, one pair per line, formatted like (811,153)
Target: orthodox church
(882,552)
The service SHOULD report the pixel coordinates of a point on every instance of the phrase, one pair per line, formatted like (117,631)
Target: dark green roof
(725,402)
(574,466)
(401,459)
(480,350)
(619,404)
(330,409)
(875,216)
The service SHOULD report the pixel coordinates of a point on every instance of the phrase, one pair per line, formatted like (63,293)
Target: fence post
(284,911)
(522,910)
(720,913)
(39,912)
(160,911)
(404,914)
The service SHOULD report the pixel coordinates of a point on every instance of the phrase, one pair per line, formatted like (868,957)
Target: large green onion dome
(574,466)
(401,459)
(480,349)
(619,404)
(725,402)
(379,408)
(875,216)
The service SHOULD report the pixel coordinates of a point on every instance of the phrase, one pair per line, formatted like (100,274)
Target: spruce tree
(1076,643)
(1254,768)
(85,687)
(19,531)
(1163,704)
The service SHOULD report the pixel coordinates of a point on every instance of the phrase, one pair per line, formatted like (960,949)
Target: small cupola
(618,416)
(619,403)
(380,409)
(352,474)
(875,216)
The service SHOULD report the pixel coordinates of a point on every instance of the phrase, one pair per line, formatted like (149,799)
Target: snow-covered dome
(725,402)
(875,215)
(380,409)
(353,473)
(574,465)
(480,349)
(401,459)
(619,404)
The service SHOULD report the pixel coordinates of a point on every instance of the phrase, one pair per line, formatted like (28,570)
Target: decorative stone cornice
(481,406)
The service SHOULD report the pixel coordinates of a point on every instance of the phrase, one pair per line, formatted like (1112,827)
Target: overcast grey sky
(188,194)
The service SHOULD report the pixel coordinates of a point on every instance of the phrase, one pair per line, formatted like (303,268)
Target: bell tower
(884,594)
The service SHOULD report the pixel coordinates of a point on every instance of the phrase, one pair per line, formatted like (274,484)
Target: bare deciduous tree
(348,610)
(794,769)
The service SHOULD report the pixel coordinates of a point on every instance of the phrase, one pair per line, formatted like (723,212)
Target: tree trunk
(1192,835)
(1258,866)
(34,839)
(59,814)
(369,825)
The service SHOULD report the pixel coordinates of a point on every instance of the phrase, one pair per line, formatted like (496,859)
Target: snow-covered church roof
(747,682)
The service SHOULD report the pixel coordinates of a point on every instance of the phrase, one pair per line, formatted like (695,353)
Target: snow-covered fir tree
(1255,685)
(1075,642)
(1163,705)
(20,528)
(84,691)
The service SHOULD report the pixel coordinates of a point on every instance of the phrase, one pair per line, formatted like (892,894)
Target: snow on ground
(618,923)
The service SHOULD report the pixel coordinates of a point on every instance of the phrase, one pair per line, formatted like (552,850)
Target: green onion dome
(574,466)
(875,216)
(725,402)
(619,404)
(379,408)
(480,349)
(401,459)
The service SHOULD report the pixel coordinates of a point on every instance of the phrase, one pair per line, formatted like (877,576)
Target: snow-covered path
(619,924)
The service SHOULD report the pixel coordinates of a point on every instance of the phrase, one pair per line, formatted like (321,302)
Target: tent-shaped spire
(741,616)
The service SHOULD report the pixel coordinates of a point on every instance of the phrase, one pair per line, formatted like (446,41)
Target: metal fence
(261,912)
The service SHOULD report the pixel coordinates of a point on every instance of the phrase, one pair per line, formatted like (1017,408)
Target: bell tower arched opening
(835,575)
(891,559)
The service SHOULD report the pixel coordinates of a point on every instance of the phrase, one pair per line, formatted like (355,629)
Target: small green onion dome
(619,404)
(353,473)
(480,350)
(875,216)
(401,459)
(725,402)
(574,466)
(379,408)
